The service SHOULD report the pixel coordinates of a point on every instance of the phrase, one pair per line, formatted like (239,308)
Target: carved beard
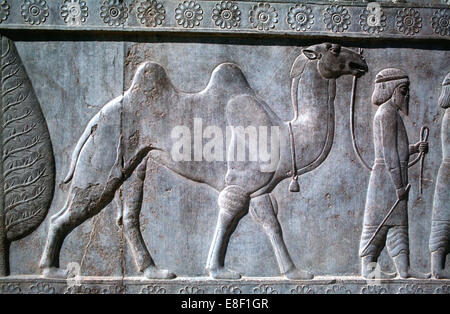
(401,102)
(444,99)
(405,107)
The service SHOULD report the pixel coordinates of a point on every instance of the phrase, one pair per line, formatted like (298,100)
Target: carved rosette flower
(42,288)
(441,22)
(337,18)
(372,22)
(10,289)
(373,290)
(114,12)
(34,12)
(4,10)
(74,12)
(189,14)
(154,289)
(226,14)
(119,289)
(410,289)
(338,290)
(228,290)
(264,289)
(151,13)
(300,17)
(191,290)
(81,289)
(408,21)
(302,290)
(442,290)
(263,16)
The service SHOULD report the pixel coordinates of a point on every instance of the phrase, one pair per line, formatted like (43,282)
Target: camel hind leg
(134,190)
(82,204)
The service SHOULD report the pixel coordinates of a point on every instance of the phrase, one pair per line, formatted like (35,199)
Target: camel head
(333,61)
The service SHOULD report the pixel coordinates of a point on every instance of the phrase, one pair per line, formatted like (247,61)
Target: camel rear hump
(229,76)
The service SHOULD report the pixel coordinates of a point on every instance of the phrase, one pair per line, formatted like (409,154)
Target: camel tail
(91,127)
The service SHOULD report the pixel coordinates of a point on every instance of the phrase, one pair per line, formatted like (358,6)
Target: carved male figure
(389,177)
(440,225)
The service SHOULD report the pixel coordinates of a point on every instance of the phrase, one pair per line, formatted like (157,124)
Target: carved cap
(390,74)
(446,80)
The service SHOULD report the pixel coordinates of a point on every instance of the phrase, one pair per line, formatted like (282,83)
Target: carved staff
(423,138)
(384,220)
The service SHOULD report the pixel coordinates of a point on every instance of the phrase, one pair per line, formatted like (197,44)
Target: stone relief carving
(4,10)
(410,289)
(27,165)
(408,21)
(151,13)
(440,228)
(34,12)
(386,213)
(189,14)
(300,17)
(241,185)
(226,15)
(337,18)
(263,16)
(441,22)
(28,173)
(114,12)
(74,12)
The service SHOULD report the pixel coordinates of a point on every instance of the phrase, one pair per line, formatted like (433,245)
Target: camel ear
(298,66)
(310,54)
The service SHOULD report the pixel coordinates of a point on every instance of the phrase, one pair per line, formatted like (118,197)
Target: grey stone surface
(78,69)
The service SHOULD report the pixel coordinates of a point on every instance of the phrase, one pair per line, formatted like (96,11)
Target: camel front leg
(263,210)
(233,204)
(134,190)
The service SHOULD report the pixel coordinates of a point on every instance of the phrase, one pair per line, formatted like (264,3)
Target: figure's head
(444,99)
(333,60)
(392,84)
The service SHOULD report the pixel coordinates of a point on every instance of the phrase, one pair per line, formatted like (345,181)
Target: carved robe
(441,207)
(390,170)
(440,226)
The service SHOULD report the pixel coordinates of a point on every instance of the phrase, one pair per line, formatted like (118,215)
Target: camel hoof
(223,273)
(54,272)
(153,272)
(298,274)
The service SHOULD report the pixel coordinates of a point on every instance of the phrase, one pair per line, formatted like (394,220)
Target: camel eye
(335,51)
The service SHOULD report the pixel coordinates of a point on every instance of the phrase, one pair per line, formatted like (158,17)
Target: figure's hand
(422,147)
(402,193)
(119,220)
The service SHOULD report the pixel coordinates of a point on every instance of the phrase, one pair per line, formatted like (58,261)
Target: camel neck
(311,92)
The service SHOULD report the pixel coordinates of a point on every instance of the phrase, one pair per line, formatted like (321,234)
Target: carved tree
(27,167)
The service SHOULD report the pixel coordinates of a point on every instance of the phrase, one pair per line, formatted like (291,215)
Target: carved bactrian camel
(147,113)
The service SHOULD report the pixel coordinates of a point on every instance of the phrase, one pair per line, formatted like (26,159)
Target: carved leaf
(27,167)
